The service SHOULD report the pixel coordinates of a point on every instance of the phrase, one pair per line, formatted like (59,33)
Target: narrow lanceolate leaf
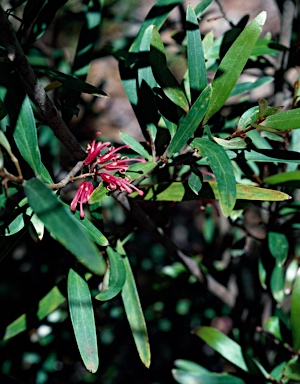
(295,313)
(180,192)
(63,227)
(74,83)
(196,61)
(195,183)
(233,63)
(201,7)
(135,145)
(278,246)
(277,283)
(222,169)
(83,321)
(163,75)
(26,137)
(186,377)
(117,276)
(191,122)
(135,315)
(284,177)
(156,16)
(283,120)
(221,343)
(46,305)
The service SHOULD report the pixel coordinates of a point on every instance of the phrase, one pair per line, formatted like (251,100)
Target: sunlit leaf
(283,120)
(46,305)
(163,75)
(277,283)
(196,62)
(83,321)
(134,145)
(221,343)
(233,63)
(191,122)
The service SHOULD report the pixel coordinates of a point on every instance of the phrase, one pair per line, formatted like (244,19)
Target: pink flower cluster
(105,165)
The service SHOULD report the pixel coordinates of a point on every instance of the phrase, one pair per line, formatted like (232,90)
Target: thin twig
(35,90)
(70,176)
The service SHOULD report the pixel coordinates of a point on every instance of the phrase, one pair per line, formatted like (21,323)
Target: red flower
(82,196)
(115,182)
(94,148)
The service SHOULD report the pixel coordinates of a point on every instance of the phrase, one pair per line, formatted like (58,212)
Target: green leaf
(295,314)
(99,194)
(195,183)
(156,16)
(163,75)
(233,63)
(283,120)
(283,177)
(273,326)
(139,169)
(248,86)
(191,122)
(59,222)
(117,276)
(187,365)
(179,192)
(222,169)
(135,314)
(134,145)
(231,144)
(248,117)
(292,369)
(221,343)
(277,283)
(196,61)
(184,377)
(201,7)
(278,246)
(46,305)
(72,82)
(95,235)
(26,137)
(83,321)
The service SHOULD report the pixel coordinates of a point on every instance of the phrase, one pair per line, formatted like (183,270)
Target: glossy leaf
(273,326)
(46,305)
(190,366)
(202,6)
(266,155)
(195,183)
(231,144)
(100,193)
(135,314)
(134,145)
(191,122)
(222,169)
(295,314)
(196,61)
(283,120)
(184,377)
(179,192)
(83,321)
(277,283)
(95,235)
(233,63)
(156,16)
(221,343)
(59,222)
(163,75)
(140,169)
(248,86)
(72,82)
(117,276)
(283,177)
(278,246)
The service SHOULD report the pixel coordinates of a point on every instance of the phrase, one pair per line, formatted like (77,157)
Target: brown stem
(35,90)
(69,177)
